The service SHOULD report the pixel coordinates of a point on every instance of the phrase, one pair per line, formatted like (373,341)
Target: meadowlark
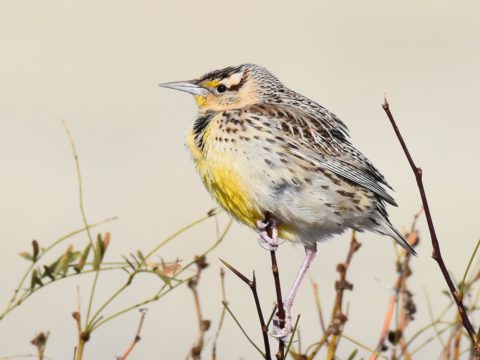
(274,158)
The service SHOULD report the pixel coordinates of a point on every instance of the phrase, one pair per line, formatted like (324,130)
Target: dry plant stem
(337,319)
(222,315)
(456,344)
(82,336)
(203,325)
(40,342)
(243,330)
(252,284)
(136,339)
(437,255)
(318,305)
(399,287)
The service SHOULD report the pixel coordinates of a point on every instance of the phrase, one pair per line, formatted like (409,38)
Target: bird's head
(229,88)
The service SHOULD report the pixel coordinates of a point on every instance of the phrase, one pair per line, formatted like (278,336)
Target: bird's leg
(268,241)
(284,332)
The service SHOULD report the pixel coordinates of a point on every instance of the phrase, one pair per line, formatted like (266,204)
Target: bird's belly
(230,187)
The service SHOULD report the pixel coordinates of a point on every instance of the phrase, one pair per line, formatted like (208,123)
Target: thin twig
(437,255)
(243,330)
(252,284)
(318,305)
(222,315)
(136,339)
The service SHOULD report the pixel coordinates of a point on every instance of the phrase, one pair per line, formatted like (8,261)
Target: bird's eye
(221,88)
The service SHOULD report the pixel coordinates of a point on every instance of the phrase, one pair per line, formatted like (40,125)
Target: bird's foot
(282,333)
(267,241)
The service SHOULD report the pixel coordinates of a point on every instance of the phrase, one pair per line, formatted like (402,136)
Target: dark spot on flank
(266,148)
(328,205)
(280,188)
(284,161)
(325,187)
(268,162)
(346,193)
(271,141)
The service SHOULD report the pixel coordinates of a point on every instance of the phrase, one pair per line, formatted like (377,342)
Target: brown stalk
(136,339)
(456,343)
(222,315)
(280,355)
(338,318)
(436,255)
(203,324)
(40,342)
(252,284)
(400,287)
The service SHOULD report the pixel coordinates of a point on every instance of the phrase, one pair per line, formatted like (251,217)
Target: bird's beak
(187,86)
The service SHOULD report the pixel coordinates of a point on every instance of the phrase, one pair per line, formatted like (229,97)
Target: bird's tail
(385,227)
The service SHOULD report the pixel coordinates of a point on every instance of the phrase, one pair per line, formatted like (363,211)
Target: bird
(273,158)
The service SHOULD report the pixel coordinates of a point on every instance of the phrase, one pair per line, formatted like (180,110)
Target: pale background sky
(97,64)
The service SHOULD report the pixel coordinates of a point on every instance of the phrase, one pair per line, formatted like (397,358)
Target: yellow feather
(223,181)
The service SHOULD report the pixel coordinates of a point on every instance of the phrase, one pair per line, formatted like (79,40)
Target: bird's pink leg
(287,304)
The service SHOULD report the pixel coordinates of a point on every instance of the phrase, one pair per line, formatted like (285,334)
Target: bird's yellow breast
(219,171)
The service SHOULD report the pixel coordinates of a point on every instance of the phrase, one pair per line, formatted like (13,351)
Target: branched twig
(252,284)
(338,318)
(222,315)
(203,324)
(437,255)
(136,339)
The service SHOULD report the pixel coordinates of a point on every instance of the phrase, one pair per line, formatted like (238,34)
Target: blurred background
(96,65)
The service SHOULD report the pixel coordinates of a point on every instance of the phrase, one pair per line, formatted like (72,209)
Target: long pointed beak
(186,86)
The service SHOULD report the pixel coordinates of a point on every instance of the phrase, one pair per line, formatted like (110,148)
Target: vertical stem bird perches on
(280,355)
(437,255)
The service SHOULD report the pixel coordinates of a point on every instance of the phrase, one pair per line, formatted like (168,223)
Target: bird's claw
(266,241)
(282,333)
